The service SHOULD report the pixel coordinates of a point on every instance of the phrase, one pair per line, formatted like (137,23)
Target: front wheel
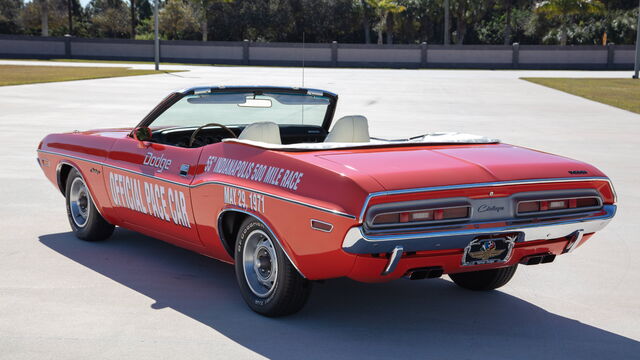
(85,220)
(269,283)
(484,279)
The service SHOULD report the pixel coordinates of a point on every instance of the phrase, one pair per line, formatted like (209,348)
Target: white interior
(349,129)
(263,132)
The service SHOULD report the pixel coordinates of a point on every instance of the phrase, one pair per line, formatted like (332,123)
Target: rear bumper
(368,268)
(357,242)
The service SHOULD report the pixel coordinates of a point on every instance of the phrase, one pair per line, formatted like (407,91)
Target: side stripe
(331,211)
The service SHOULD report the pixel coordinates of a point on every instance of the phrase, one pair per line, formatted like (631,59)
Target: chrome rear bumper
(357,242)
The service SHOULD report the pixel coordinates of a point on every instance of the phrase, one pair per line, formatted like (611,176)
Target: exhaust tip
(425,273)
(538,259)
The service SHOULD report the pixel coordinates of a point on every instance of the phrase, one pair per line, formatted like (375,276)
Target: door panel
(151,192)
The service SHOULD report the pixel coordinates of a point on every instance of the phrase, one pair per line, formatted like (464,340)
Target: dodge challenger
(263,178)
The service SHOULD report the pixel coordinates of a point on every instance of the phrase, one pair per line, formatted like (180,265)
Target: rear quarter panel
(319,193)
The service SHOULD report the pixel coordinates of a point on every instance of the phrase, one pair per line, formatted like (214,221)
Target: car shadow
(345,319)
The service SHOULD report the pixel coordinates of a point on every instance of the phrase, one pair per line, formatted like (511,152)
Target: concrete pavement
(134,297)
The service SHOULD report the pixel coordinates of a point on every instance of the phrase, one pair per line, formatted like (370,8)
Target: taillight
(535,206)
(420,216)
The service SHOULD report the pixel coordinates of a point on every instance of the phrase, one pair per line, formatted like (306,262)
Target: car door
(149,188)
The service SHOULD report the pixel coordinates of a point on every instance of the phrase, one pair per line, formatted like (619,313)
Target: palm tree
(383,8)
(564,11)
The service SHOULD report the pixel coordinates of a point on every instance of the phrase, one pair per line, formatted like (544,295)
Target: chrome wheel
(260,263)
(79,202)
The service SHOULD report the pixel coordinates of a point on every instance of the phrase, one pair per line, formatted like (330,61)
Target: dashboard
(180,136)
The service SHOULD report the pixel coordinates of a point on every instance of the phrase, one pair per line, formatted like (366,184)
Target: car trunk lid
(405,168)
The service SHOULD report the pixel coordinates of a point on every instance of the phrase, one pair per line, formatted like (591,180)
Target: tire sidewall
(259,304)
(84,231)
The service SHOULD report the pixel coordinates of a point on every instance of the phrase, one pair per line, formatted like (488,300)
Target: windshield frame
(256,90)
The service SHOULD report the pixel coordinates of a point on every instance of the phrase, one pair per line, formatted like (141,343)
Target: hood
(407,168)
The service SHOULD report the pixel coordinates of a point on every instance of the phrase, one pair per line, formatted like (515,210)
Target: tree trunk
(461,30)
(389,24)
(447,24)
(507,23)
(44,14)
(70,16)
(205,28)
(365,23)
(381,25)
(564,30)
(133,19)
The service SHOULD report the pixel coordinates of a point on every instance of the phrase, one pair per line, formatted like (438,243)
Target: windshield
(245,108)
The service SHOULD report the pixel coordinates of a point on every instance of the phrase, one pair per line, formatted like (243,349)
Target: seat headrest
(267,132)
(352,128)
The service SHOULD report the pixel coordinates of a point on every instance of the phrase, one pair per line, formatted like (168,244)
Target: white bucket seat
(352,128)
(267,132)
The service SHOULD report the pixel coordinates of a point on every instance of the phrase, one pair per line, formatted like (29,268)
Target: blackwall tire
(85,220)
(485,279)
(268,282)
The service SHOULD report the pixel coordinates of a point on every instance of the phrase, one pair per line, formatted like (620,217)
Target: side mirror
(142,133)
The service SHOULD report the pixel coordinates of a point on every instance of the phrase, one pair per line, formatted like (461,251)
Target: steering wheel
(196,131)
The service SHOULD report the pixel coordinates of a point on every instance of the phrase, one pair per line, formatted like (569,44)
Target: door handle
(184,170)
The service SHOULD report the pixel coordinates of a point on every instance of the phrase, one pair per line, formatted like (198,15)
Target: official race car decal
(156,200)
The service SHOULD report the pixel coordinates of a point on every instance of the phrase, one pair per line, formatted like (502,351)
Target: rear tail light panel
(418,213)
(558,205)
(462,211)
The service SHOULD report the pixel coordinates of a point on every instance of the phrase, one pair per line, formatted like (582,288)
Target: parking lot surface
(138,298)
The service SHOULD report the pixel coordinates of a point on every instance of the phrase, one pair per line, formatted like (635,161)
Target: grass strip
(28,74)
(621,93)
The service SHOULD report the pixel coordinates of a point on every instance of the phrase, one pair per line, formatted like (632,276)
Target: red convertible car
(258,177)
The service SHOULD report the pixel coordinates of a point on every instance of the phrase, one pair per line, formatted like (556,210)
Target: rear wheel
(484,279)
(85,220)
(269,283)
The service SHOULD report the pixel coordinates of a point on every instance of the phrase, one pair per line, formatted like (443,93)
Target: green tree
(383,9)
(10,11)
(46,20)
(74,13)
(203,9)
(508,6)
(420,22)
(564,12)
(468,12)
(177,20)
(110,18)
